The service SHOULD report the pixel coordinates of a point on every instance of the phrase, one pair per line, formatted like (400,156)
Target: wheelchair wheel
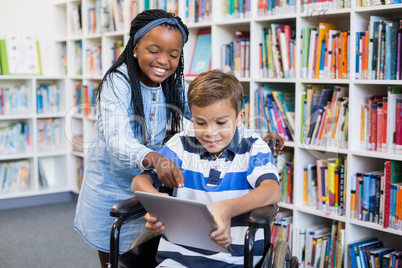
(282,255)
(294,262)
(142,238)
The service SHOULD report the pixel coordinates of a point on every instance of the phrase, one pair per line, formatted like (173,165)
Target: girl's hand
(153,225)
(168,172)
(279,141)
(222,217)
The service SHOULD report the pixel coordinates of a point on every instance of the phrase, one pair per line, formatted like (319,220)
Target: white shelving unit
(223,31)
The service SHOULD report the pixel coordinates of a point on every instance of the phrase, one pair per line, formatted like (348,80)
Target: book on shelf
(201,58)
(14,100)
(19,54)
(15,176)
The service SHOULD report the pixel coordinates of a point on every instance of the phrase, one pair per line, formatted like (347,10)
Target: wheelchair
(144,248)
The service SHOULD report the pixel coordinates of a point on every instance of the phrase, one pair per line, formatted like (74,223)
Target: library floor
(43,236)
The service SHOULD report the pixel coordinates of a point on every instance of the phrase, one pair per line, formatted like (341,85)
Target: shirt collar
(228,153)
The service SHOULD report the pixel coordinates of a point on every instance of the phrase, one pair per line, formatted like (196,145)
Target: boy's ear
(240,118)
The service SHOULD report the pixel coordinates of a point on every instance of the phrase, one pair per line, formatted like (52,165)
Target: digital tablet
(187,222)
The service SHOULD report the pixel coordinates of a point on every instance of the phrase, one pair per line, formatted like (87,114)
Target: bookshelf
(70,70)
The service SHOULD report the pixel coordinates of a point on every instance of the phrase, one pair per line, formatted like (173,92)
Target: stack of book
(236,55)
(270,7)
(236,9)
(275,104)
(14,176)
(325,116)
(376,196)
(13,100)
(278,52)
(324,185)
(371,252)
(320,245)
(325,52)
(282,229)
(378,50)
(284,163)
(47,99)
(198,11)
(14,138)
(50,134)
(381,122)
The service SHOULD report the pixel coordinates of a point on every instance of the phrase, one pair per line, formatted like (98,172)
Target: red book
(380,125)
(398,127)
(374,127)
(290,183)
(384,128)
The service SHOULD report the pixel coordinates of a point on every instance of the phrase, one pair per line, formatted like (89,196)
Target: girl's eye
(153,52)
(174,56)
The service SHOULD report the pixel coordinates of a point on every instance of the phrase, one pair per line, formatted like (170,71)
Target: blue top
(240,168)
(115,158)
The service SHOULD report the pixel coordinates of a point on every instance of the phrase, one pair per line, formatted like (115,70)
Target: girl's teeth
(160,70)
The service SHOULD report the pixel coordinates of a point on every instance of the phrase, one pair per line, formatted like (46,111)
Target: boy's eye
(200,123)
(221,122)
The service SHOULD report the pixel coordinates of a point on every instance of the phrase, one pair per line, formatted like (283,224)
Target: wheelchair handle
(272,144)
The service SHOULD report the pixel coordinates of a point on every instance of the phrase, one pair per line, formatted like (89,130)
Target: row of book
(369,3)
(236,9)
(381,122)
(14,176)
(13,100)
(278,51)
(282,228)
(271,7)
(320,7)
(378,50)
(236,55)
(50,134)
(320,245)
(370,252)
(376,196)
(14,138)
(85,98)
(324,185)
(274,110)
(198,11)
(285,163)
(325,116)
(94,60)
(325,52)
(47,99)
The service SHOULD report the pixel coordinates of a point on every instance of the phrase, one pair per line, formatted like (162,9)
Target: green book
(3,58)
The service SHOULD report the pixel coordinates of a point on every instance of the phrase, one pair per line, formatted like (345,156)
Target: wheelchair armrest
(263,216)
(127,208)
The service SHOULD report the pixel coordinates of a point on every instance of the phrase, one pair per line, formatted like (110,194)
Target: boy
(225,166)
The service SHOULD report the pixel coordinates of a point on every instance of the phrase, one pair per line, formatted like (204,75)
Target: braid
(173,86)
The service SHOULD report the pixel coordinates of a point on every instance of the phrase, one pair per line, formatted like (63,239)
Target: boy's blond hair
(215,85)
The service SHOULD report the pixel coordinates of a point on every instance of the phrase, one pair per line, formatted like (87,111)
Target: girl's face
(158,53)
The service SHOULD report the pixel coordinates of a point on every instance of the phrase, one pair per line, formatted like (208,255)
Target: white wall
(30,17)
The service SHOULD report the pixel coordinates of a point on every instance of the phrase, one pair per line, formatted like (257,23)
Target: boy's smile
(215,125)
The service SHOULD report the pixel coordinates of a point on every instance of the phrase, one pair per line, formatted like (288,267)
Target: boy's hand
(280,143)
(222,217)
(153,225)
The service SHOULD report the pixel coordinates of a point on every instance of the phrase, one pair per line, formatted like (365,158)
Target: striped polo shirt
(240,168)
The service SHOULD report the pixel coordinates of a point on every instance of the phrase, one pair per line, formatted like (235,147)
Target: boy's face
(215,125)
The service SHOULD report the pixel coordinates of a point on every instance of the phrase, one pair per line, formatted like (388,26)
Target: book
(323,29)
(201,59)
(354,250)
(393,94)
(22,53)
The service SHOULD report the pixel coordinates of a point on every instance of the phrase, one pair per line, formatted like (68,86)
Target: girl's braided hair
(173,86)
